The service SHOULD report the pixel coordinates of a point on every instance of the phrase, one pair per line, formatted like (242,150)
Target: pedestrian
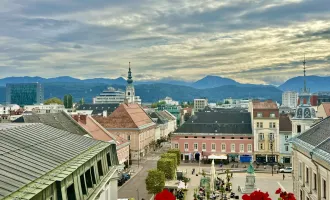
(231,174)
(283,177)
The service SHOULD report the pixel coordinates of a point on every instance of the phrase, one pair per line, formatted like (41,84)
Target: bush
(167,166)
(170,156)
(155,181)
(178,154)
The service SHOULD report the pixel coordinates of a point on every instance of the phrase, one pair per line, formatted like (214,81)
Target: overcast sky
(251,41)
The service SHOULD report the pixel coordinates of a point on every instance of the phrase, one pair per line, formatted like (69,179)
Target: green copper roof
(250,169)
(129,77)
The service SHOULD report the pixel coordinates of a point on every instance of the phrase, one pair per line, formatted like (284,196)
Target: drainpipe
(318,179)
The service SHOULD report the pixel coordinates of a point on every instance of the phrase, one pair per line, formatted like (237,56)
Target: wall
(123,154)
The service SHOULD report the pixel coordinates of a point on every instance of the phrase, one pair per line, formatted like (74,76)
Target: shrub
(167,166)
(170,156)
(178,154)
(155,181)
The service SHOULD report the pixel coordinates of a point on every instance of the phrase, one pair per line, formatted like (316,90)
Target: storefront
(245,158)
(233,157)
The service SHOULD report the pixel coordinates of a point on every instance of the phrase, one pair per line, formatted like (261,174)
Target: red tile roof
(126,116)
(264,105)
(326,107)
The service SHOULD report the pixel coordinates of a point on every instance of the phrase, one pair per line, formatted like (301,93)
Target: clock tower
(305,115)
(130,91)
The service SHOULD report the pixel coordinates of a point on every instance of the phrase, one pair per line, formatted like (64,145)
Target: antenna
(304,62)
(129,65)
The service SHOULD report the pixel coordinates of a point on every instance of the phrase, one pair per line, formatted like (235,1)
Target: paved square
(264,181)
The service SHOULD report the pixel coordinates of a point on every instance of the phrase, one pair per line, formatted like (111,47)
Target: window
(88,179)
(108,160)
(272,114)
(232,147)
(93,175)
(213,147)
(259,114)
(70,192)
(99,168)
(271,136)
(314,181)
(286,147)
(82,183)
(261,146)
(258,126)
(232,138)
(176,145)
(261,124)
(241,147)
(300,170)
(324,188)
(223,147)
(185,136)
(298,129)
(272,125)
(213,137)
(249,147)
(270,146)
(195,136)
(128,137)
(286,137)
(261,136)
(203,147)
(186,146)
(241,138)
(307,175)
(195,146)
(223,138)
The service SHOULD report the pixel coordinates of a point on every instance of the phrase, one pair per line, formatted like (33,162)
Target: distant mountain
(157,91)
(315,83)
(213,81)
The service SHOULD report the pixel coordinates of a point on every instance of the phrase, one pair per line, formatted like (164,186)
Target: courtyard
(264,181)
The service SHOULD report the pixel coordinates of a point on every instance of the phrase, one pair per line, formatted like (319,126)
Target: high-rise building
(289,99)
(24,93)
(200,104)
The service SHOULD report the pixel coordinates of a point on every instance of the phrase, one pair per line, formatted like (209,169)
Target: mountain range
(215,88)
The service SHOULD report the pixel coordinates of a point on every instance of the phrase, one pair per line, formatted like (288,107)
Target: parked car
(286,170)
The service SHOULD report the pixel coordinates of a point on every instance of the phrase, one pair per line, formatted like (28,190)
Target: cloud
(250,41)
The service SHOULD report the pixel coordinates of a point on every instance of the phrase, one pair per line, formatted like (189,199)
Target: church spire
(129,77)
(304,62)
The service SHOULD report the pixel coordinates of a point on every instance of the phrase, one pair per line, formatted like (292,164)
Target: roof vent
(216,121)
(192,121)
(242,122)
(216,131)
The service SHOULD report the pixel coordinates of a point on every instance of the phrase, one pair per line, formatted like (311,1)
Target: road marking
(281,186)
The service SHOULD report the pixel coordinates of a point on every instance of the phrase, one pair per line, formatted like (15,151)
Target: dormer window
(259,114)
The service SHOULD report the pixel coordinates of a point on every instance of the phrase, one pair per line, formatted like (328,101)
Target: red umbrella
(165,195)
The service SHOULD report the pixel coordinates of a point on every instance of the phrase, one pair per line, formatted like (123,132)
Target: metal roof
(30,151)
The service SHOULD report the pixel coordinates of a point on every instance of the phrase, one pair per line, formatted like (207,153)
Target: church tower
(130,91)
(305,115)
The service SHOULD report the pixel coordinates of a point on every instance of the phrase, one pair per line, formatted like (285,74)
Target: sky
(250,41)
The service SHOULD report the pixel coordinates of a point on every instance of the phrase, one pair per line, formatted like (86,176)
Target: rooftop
(264,105)
(285,123)
(326,107)
(99,108)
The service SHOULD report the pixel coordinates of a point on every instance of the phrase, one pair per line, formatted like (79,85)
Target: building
(9,112)
(100,133)
(322,97)
(97,109)
(130,90)
(200,104)
(265,123)
(323,110)
(24,93)
(173,110)
(311,162)
(166,121)
(55,164)
(226,134)
(285,137)
(131,122)
(42,109)
(289,99)
(113,96)
(169,101)
(6,109)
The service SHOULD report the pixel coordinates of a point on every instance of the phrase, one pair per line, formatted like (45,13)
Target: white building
(42,109)
(285,137)
(200,104)
(169,101)
(5,109)
(311,163)
(289,99)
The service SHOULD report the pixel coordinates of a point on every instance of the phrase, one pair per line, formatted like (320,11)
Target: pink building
(100,133)
(226,133)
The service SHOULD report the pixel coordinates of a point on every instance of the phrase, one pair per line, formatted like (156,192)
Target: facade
(113,96)
(290,99)
(200,104)
(69,167)
(285,137)
(42,109)
(322,97)
(97,109)
(24,93)
(169,101)
(9,112)
(226,134)
(265,123)
(6,109)
(100,133)
(131,122)
(165,122)
(173,110)
(311,162)
(323,110)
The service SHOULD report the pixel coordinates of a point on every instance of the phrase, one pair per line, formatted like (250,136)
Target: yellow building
(265,126)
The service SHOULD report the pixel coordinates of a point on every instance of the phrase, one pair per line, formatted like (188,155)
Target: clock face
(307,113)
(299,113)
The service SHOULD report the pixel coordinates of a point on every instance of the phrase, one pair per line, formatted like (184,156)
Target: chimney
(83,119)
(105,113)
(126,101)
(76,118)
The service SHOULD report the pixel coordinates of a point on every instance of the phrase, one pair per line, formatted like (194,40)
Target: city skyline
(248,41)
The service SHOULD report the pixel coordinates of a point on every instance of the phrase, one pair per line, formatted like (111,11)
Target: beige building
(323,110)
(200,104)
(131,122)
(265,126)
(311,162)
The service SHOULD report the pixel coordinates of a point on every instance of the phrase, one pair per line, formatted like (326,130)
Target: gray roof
(57,120)
(29,151)
(226,122)
(161,117)
(97,109)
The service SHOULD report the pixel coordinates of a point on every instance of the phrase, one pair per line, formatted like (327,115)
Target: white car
(286,170)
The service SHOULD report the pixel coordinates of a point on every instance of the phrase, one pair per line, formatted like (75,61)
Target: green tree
(82,101)
(53,100)
(167,166)
(68,102)
(178,154)
(172,156)
(155,181)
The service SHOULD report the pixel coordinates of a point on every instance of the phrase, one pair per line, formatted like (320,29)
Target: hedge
(178,154)
(167,166)
(171,156)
